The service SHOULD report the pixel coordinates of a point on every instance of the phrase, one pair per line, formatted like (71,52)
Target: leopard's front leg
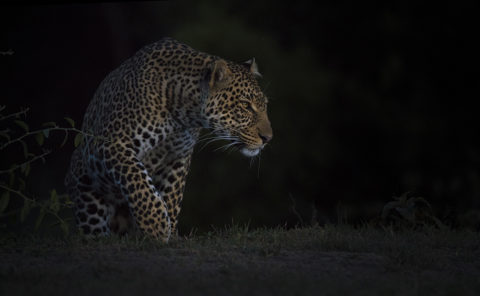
(145,201)
(169,179)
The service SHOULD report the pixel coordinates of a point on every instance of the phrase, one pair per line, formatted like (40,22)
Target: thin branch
(294,209)
(19,193)
(66,129)
(34,202)
(8,52)
(15,114)
(17,166)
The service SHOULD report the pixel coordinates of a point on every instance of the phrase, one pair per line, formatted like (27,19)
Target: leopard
(141,127)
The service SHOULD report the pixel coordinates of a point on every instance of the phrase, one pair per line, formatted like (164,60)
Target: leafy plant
(14,131)
(410,211)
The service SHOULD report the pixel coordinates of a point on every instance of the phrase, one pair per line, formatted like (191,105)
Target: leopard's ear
(220,74)
(252,65)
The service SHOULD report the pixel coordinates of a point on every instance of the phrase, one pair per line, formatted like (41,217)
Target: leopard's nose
(265,138)
(265,130)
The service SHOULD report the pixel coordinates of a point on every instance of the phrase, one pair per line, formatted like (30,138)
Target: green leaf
(65,139)
(4,201)
(39,137)
(64,227)
(53,195)
(46,132)
(40,217)
(72,123)
(54,203)
(67,198)
(25,149)
(25,168)
(25,210)
(78,139)
(22,124)
(50,124)
(21,184)
(67,202)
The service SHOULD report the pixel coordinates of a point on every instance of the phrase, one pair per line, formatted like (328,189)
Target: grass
(330,260)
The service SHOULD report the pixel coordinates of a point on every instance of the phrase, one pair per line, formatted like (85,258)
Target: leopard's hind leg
(92,212)
(121,221)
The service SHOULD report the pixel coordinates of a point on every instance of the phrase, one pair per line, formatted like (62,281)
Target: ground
(331,260)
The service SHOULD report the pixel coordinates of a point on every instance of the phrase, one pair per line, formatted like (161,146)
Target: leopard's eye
(247,105)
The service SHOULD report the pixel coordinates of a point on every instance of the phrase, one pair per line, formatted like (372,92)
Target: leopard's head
(236,108)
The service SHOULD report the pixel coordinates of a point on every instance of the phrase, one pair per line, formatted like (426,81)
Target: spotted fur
(146,117)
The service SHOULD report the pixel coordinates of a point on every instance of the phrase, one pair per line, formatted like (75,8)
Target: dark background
(367,101)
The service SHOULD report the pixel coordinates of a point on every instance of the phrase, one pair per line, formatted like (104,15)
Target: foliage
(16,133)
(410,211)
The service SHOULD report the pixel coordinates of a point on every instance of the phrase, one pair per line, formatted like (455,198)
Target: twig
(17,166)
(34,202)
(294,209)
(19,194)
(66,129)
(15,114)
(8,52)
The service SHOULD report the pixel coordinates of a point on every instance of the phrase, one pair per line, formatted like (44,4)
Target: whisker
(226,146)
(251,161)
(208,135)
(205,144)
(258,169)
(217,133)
(231,148)
(216,138)
(234,139)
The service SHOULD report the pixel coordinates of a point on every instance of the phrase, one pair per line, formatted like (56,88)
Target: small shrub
(409,211)
(15,132)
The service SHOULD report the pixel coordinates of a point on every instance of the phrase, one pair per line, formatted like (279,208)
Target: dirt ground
(234,269)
